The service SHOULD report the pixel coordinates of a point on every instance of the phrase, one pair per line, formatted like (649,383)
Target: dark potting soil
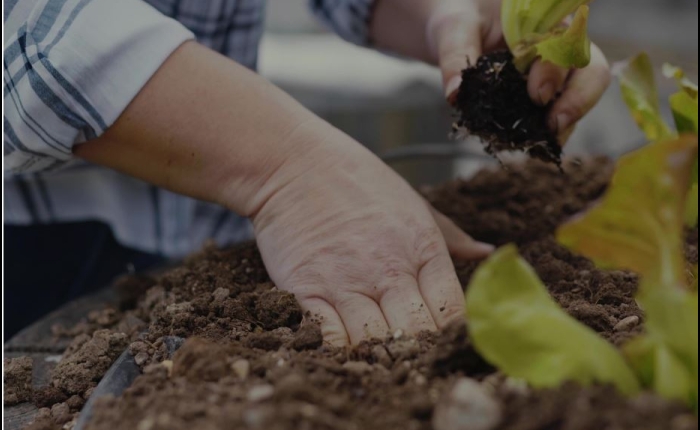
(493,103)
(255,361)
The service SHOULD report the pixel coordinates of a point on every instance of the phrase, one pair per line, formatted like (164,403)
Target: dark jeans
(49,265)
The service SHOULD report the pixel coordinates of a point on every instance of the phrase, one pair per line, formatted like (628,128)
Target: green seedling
(639,91)
(638,225)
(534,28)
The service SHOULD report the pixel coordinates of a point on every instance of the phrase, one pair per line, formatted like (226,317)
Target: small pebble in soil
(627,324)
(260,393)
(468,406)
(241,368)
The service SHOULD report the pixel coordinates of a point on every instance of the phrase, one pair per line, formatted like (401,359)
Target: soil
(493,103)
(17,380)
(253,360)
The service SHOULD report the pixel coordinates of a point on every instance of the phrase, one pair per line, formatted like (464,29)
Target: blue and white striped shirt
(72,66)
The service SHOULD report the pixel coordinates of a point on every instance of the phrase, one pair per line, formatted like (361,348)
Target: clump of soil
(87,360)
(494,104)
(17,380)
(254,361)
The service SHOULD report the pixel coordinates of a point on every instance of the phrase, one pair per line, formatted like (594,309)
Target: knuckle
(429,244)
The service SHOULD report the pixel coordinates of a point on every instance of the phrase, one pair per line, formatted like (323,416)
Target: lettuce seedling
(638,226)
(534,29)
(641,96)
(516,325)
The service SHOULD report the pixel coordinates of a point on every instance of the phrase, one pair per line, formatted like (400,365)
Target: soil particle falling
(494,104)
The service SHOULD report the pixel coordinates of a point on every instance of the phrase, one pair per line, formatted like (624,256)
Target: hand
(464,29)
(357,246)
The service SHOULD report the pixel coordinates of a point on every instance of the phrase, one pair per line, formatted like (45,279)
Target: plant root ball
(493,103)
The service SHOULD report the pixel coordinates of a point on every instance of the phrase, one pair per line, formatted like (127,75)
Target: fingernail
(452,87)
(563,122)
(546,93)
(484,248)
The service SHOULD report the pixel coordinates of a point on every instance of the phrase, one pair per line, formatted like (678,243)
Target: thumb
(454,36)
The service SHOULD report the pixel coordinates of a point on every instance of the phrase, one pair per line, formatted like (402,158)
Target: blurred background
(396,107)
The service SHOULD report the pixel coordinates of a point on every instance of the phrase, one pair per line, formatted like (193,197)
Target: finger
(404,308)
(441,290)
(545,81)
(362,317)
(331,324)
(460,244)
(454,33)
(583,90)
(565,135)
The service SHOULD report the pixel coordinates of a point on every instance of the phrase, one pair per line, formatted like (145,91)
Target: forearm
(400,26)
(208,128)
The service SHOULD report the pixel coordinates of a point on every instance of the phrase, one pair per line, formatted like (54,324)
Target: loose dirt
(253,360)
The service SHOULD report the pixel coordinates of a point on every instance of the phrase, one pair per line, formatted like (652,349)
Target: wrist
(307,149)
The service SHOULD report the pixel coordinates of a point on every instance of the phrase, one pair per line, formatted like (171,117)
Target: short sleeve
(71,68)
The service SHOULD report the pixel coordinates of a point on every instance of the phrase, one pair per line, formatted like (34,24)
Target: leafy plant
(535,29)
(641,96)
(516,325)
(639,226)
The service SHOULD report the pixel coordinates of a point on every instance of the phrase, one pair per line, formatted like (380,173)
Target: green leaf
(686,85)
(516,326)
(660,369)
(571,48)
(527,24)
(685,112)
(642,98)
(639,222)
(523,18)
(667,357)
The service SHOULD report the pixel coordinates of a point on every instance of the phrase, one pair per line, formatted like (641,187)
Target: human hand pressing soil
(359,248)
(455,33)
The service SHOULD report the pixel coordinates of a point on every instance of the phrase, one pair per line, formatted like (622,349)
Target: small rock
(260,393)
(468,406)
(627,324)
(398,334)
(241,368)
(168,364)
